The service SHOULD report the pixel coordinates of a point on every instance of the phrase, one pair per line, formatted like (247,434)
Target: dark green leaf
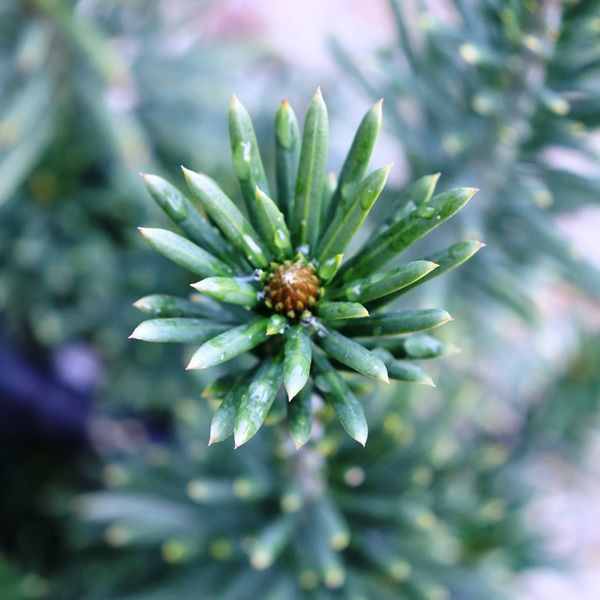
(383,283)
(351,354)
(358,158)
(187,216)
(287,153)
(416,194)
(228,289)
(396,323)
(298,354)
(272,227)
(341,310)
(311,174)
(405,231)
(223,421)
(247,163)
(177,330)
(408,372)
(185,253)
(228,217)
(230,344)
(256,401)
(347,407)
(403,371)
(419,346)
(446,259)
(163,305)
(299,415)
(351,213)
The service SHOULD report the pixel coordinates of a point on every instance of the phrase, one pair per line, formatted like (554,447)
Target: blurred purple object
(77,366)
(34,401)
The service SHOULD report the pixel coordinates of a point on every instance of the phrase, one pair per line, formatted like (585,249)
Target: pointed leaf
(311,174)
(164,305)
(287,154)
(230,344)
(178,330)
(396,323)
(228,218)
(403,371)
(383,283)
(416,194)
(405,231)
(351,214)
(352,354)
(272,227)
(421,190)
(331,311)
(299,415)
(419,346)
(256,401)
(185,253)
(223,421)
(447,259)
(424,346)
(347,407)
(187,216)
(247,163)
(298,356)
(228,289)
(358,158)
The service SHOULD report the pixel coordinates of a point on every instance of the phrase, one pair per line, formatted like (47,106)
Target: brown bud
(291,287)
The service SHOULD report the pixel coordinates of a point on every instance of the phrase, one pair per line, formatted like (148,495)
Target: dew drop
(354,292)
(426,212)
(246,148)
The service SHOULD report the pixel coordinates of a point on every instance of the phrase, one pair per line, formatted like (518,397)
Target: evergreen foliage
(418,513)
(291,276)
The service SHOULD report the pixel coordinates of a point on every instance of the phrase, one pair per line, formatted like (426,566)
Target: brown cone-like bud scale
(292,287)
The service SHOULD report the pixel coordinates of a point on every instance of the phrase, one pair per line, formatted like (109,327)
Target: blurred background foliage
(328,520)
(501,95)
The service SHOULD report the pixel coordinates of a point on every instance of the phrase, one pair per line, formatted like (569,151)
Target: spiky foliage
(284,264)
(504,95)
(327,521)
